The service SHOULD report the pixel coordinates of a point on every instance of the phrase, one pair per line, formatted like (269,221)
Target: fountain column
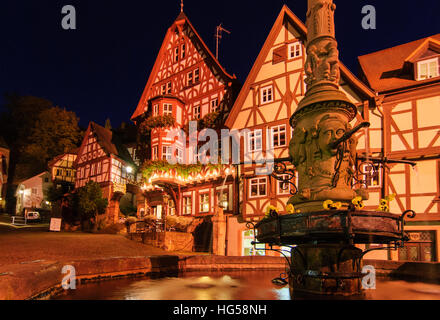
(323,151)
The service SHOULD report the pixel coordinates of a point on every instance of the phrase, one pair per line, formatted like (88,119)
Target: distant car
(33,217)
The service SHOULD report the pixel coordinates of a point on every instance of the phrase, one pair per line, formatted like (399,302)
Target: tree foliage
(90,202)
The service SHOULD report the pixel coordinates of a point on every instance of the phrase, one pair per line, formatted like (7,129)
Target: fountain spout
(348,135)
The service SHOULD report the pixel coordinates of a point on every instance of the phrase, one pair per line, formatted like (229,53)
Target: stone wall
(176,241)
(426,271)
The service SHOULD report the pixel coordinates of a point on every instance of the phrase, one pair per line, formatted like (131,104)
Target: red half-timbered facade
(103,159)
(187,83)
(407,79)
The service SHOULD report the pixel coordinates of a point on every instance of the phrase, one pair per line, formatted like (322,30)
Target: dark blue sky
(100,69)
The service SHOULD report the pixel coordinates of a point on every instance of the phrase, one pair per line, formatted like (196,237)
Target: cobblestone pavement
(26,246)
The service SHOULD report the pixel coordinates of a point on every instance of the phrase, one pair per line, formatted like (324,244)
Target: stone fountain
(325,259)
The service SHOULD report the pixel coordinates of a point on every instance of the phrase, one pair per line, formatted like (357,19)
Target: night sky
(100,70)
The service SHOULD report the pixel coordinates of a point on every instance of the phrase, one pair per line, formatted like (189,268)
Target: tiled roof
(384,70)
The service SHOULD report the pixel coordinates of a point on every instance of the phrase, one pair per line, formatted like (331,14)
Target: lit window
(266,94)
(278,136)
(258,187)
(428,69)
(255,141)
(295,50)
(167,109)
(204,202)
(187,205)
(196,112)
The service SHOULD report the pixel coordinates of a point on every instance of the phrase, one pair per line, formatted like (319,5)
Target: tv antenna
(218,35)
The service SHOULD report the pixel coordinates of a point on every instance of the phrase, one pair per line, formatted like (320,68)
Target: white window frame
(266,94)
(167,152)
(294,50)
(281,129)
(167,109)
(252,140)
(428,70)
(258,182)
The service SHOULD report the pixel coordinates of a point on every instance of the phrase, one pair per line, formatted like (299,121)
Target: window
(167,153)
(156,110)
(371,175)
(179,155)
(183,51)
(190,78)
(34,191)
(171,208)
(196,112)
(283,188)
(163,89)
(193,77)
(167,109)
(266,94)
(278,135)
(428,69)
(154,153)
(223,199)
(204,202)
(255,141)
(258,187)
(295,50)
(169,87)
(196,75)
(176,54)
(187,205)
(214,105)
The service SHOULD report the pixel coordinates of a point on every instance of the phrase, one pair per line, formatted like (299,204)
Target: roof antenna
(181,5)
(218,36)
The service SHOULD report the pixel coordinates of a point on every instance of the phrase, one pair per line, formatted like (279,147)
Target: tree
(91,203)
(55,131)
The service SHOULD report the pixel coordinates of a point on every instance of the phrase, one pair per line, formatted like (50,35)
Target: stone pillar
(330,269)
(219,232)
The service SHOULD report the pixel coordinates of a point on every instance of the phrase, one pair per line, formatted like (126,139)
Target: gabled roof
(181,19)
(109,142)
(59,157)
(286,13)
(385,70)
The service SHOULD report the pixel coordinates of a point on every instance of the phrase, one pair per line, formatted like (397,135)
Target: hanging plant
(154,122)
(183,170)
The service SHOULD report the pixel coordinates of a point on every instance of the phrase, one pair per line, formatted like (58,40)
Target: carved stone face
(330,130)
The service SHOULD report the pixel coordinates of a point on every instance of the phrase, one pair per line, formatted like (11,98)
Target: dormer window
(427,69)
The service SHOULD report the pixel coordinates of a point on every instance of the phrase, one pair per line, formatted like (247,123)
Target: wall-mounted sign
(55,224)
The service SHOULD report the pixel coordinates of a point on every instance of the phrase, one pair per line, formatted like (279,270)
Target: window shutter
(279,55)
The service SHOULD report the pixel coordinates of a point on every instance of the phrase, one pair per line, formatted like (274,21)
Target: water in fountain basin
(248,285)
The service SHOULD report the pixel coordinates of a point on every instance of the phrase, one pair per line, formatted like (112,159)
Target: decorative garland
(162,166)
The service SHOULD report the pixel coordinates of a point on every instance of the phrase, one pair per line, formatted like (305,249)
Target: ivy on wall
(184,170)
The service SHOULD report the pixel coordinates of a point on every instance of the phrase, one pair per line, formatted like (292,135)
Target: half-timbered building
(269,97)
(4,165)
(187,83)
(407,78)
(104,159)
(62,171)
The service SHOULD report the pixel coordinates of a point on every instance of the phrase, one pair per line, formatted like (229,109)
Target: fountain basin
(335,226)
